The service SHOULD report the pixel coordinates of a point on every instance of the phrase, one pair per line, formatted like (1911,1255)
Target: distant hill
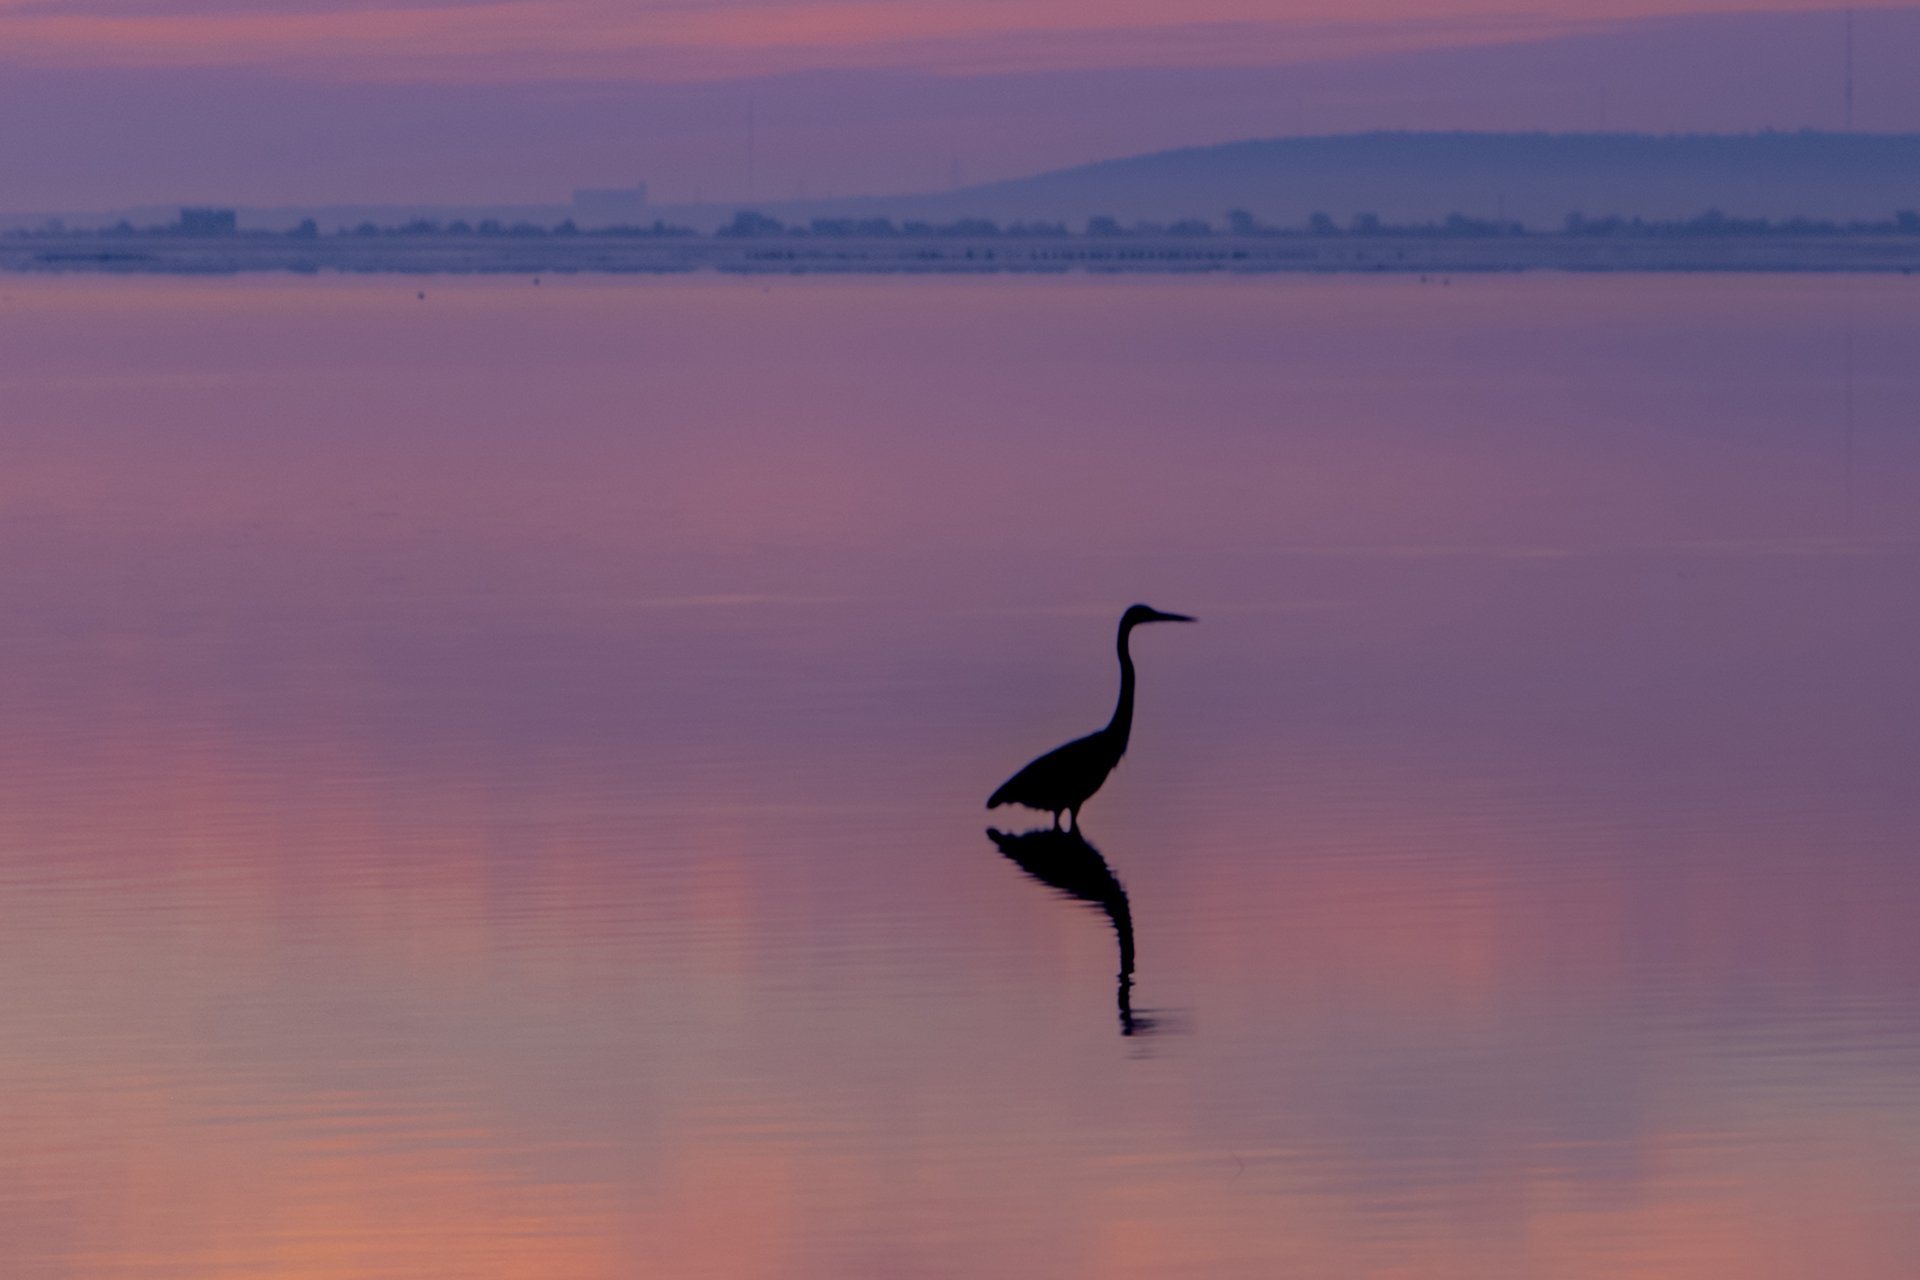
(1535,178)
(1403,178)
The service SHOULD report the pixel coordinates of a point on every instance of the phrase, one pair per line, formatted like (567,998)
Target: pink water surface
(490,784)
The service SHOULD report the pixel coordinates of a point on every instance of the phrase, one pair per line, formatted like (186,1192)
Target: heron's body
(1063,779)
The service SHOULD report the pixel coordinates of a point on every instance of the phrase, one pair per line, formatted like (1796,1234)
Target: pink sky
(709,39)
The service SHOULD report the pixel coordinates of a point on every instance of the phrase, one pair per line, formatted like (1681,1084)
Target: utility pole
(749,150)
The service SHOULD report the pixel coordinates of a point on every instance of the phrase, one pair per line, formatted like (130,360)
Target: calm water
(490,784)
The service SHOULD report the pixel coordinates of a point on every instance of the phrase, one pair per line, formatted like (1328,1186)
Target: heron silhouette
(1061,780)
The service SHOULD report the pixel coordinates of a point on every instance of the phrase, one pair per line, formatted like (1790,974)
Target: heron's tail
(1000,797)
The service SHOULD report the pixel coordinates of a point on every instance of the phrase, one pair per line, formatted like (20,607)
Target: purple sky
(83,134)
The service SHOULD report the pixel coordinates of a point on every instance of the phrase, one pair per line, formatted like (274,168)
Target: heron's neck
(1121,726)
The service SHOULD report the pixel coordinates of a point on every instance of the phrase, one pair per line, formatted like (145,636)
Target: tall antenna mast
(750,150)
(1849,71)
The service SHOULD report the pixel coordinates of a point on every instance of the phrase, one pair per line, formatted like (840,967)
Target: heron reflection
(1065,861)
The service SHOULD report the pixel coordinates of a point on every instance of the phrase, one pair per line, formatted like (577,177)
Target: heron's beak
(1171,617)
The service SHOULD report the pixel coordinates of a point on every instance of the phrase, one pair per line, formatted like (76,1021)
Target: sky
(683,40)
(116,103)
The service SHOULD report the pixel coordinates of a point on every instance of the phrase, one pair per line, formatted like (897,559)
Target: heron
(1062,780)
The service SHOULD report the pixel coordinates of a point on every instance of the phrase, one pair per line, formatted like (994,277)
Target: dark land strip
(527,255)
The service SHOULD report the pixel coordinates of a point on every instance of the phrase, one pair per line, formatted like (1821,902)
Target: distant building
(612,206)
(208,222)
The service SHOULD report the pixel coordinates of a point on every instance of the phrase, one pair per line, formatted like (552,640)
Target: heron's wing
(1035,785)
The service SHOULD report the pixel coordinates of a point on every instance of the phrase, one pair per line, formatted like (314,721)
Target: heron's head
(1140,613)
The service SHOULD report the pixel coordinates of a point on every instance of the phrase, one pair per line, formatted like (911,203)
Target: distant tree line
(494,227)
(310,230)
(750,223)
(1715,223)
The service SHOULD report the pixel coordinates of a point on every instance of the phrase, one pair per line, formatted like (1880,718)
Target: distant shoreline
(474,255)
